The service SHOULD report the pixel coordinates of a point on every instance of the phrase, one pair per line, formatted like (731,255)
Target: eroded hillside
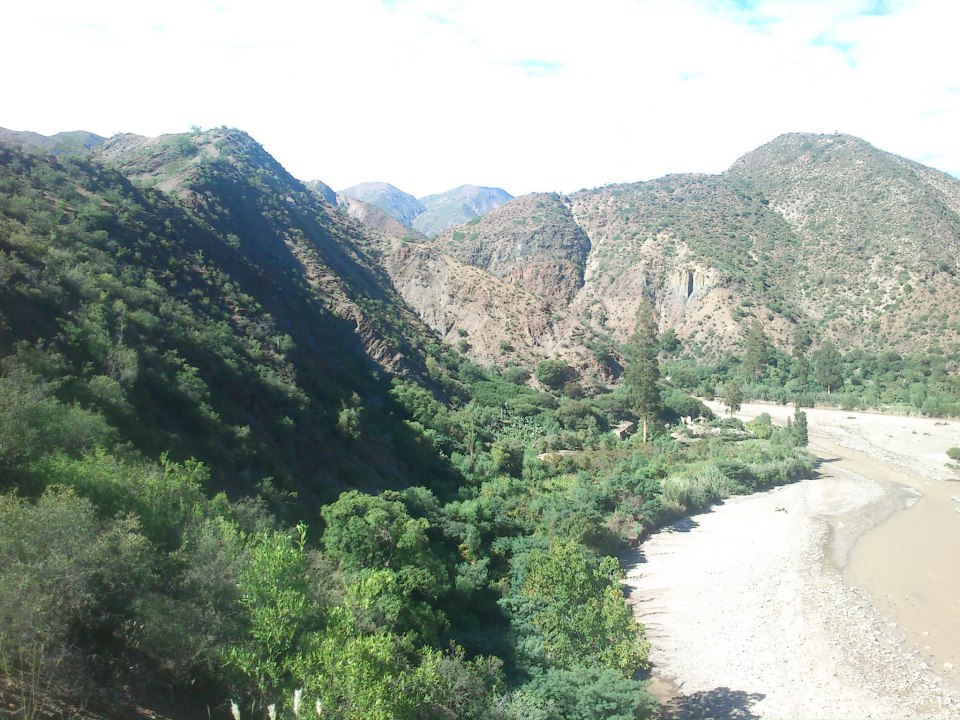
(533,242)
(821,231)
(492,321)
(880,252)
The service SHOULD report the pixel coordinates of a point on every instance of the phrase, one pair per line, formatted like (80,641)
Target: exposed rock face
(684,291)
(533,242)
(494,321)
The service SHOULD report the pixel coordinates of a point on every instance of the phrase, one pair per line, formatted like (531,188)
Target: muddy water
(903,549)
(910,565)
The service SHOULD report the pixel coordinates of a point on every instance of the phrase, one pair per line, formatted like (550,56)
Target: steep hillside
(377,220)
(457,206)
(880,251)
(229,180)
(494,322)
(229,320)
(703,251)
(532,241)
(394,202)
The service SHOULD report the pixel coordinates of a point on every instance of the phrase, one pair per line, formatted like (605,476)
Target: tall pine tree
(756,354)
(828,367)
(642,376)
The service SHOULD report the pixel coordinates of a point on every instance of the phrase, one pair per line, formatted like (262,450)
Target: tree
(669,342)
(388,554)
(756,354)
(732,396)
(800,427)
(828,367)
(801,341)
(642,376)
(579,612)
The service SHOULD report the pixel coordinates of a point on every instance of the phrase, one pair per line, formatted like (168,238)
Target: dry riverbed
(804,601)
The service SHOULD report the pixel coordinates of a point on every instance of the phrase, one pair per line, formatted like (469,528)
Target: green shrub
(761,426)
(678,405)
(585,693)
(66,578)
(553,373)
(695,490)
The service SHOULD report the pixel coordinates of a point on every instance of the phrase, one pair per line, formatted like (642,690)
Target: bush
(585,693)
(954,453)
(677,405)
(67,582)
(761,426)
(515,374)
(553,373)
(695,490)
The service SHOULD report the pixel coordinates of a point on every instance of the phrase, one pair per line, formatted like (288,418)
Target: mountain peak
(458,206)
(402,206)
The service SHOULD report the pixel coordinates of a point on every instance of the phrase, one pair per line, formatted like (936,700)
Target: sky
(527,95)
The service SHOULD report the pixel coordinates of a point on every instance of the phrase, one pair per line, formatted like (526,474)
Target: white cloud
(531,95)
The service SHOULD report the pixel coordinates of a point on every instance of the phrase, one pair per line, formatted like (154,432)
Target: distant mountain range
(77,140)
(432,214)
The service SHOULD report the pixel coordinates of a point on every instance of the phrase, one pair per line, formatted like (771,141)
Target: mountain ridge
(821,232)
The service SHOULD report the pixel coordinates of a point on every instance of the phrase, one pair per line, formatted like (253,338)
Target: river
(837,596)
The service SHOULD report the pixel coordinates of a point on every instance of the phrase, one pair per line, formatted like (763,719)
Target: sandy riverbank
(782,604)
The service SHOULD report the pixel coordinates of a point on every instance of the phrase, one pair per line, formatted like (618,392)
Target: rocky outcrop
(532,242)
(492,321)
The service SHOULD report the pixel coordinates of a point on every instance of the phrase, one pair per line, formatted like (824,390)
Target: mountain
(377,220)
(77,141)
(533,242)
(396,203)
(878,261)
(209,305)
(826,232)
(456,207)
(429,215)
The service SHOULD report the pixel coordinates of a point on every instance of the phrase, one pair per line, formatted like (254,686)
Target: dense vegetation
(927,384)
(208,492)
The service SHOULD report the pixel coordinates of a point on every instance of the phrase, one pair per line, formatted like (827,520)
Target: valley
(265,443)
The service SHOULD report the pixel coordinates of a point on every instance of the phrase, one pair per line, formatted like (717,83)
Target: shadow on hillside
(720,703)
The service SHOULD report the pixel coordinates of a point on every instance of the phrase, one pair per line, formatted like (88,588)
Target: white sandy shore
(749,619)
